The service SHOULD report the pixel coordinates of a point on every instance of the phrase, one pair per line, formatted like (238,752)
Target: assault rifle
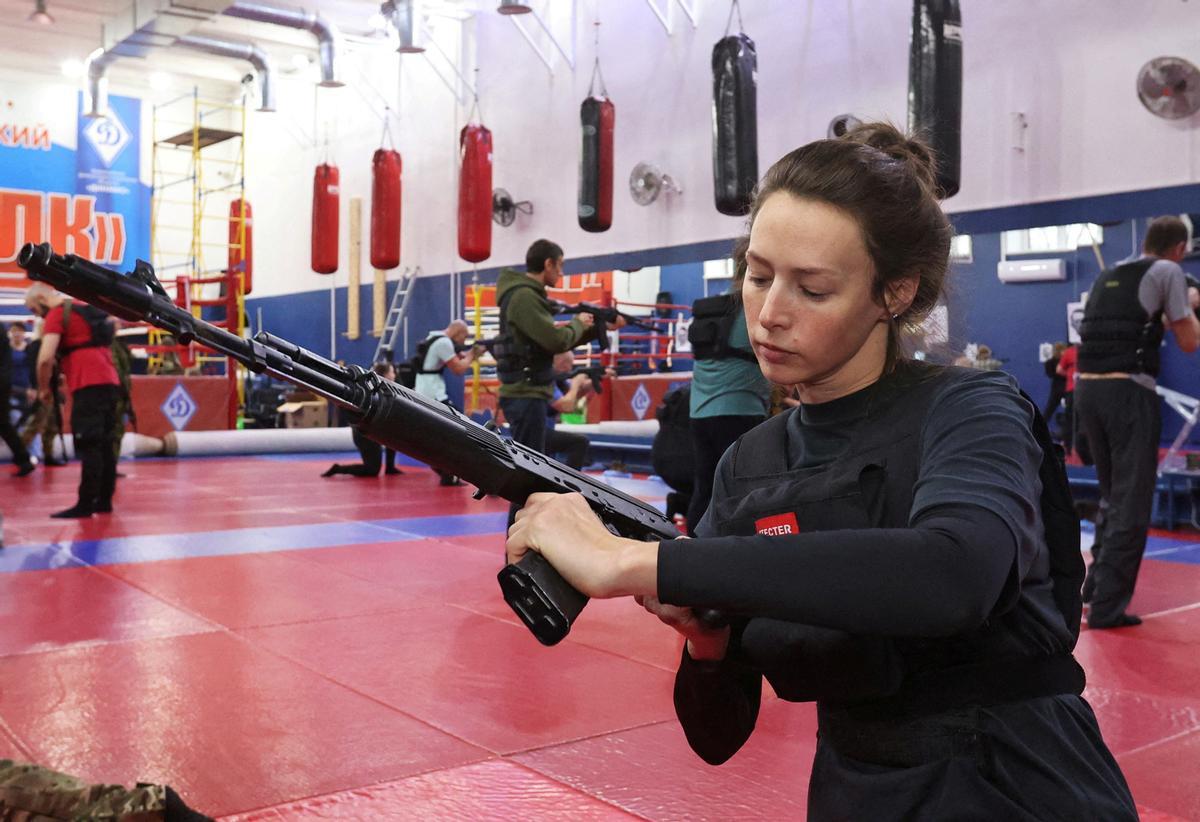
(595,373)
(603,316)
(389,414)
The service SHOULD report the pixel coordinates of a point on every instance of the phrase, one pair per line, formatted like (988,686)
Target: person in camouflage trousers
(123,362)
(32,793)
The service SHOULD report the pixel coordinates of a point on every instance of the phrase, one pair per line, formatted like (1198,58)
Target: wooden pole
(352,307)
(379,302)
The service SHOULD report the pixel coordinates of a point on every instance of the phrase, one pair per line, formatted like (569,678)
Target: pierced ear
(900,294)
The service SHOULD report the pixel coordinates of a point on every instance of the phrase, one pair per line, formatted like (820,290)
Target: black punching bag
(735,123)
(597,117)
(935,85)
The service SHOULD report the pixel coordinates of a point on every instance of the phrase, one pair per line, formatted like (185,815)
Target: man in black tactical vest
(528,341)
(1123,326)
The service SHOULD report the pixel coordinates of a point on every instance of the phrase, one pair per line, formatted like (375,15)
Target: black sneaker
(26,469)
(1120,621)
(76,511)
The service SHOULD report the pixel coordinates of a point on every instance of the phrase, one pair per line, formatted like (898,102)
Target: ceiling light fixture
(514,7)
(40,15)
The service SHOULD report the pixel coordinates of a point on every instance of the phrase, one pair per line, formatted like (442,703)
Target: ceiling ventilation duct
(407,20)
(513,7)
(138,29)
(239,51)
(328,37)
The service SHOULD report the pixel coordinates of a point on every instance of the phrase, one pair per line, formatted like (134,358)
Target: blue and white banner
(69,180)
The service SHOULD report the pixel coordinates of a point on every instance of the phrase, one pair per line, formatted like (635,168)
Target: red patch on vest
(777,525)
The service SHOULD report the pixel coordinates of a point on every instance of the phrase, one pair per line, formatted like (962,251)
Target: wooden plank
(352,307)
(379,301)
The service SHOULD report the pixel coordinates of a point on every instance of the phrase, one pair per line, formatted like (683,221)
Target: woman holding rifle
(885,549)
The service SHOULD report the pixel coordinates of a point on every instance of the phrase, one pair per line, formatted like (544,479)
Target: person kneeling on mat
(371,451)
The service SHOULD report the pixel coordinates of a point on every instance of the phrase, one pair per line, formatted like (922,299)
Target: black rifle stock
(391,415)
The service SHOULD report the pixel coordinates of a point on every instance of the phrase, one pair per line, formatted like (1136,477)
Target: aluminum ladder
(393,324)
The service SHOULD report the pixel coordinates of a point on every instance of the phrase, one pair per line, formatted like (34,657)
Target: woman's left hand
(564,529)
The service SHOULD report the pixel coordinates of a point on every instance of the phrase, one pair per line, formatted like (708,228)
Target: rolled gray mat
(132,445)
(257,441)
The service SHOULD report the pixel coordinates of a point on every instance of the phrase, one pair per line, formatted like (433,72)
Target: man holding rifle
(528,341)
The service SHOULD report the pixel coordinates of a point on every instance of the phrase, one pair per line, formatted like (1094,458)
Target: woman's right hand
(704,644)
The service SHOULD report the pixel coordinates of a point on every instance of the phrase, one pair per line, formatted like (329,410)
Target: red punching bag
(385,209)
(475,194)
(241,242)
(325,219)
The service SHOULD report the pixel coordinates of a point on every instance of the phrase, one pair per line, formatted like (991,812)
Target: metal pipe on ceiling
(329,39)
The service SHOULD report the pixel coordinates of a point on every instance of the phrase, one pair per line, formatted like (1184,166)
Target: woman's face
(807,295)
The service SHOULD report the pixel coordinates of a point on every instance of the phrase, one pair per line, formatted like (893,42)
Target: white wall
(1069,65)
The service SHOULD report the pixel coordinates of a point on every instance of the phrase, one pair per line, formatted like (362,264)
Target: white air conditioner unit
(1031,271)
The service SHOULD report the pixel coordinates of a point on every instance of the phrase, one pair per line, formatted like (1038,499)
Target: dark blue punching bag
(935,86)
(735,123)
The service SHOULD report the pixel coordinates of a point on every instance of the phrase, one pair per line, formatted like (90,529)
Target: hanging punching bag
(385,209)
(475,194)
(325,219)
(735,123)
(598,117)
(241,242)
(935,86)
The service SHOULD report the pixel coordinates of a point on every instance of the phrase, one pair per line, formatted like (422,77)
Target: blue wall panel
(1011,318)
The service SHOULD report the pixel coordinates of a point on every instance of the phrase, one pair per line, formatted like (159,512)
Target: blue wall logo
(640,401)
(108,137)
(178,407)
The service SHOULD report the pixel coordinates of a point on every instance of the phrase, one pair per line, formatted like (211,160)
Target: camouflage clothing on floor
(31,793)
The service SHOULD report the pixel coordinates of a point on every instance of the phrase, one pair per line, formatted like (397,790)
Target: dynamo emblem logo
(178,407)
(108,137)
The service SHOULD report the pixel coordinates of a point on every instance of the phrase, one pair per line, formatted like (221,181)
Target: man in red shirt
(87,364)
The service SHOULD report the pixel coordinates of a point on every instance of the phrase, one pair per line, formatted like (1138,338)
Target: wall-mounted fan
(647,181)
(841,124)
(505,208)
(1169,87)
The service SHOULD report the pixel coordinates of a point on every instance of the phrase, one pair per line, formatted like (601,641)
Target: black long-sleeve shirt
(975,524)
(974,547)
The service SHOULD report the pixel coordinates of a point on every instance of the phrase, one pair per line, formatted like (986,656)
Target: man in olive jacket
(531,339)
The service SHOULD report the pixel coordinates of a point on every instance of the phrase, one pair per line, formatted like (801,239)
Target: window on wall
(721,269)
(1052,239)
(960,249)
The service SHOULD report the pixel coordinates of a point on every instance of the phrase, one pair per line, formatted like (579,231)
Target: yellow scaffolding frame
(194,140)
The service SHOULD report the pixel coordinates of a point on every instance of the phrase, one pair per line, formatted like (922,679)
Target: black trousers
(1123,424)
(447,479)
(711,437)
(1058,390)
(8,433)
(527,422)
(570,447)
(372,457)
(93,421)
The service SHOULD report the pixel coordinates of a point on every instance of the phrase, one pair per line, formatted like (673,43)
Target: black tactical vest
(518,359)
(712,322)
(872,486)
(1117,333)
